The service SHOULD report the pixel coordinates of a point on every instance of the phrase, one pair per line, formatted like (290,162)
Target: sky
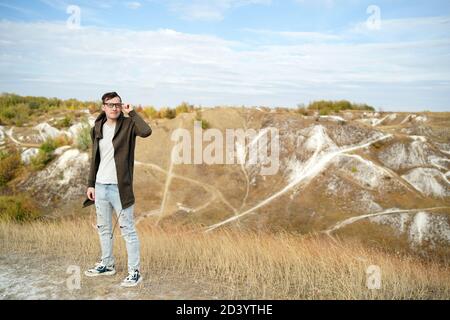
(393,55)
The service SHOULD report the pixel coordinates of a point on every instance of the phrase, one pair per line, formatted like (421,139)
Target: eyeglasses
(112,105)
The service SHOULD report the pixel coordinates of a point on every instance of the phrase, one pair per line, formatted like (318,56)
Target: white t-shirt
(107,169)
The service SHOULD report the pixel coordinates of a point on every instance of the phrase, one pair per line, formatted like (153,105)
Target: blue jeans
(106,199)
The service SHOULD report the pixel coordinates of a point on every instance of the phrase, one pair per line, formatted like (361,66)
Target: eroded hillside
(365,174)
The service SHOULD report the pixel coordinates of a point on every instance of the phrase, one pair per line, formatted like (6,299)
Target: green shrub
(326,106)
(302,109)
(83,140)
(10,162)
(44,155)
(320,105)
(167,113)
(49,145)
(14,115)
(16,110)
(18,208)
(198,117)
(184,107)
(342,105)
(150,112)
(64,122)
(40,160)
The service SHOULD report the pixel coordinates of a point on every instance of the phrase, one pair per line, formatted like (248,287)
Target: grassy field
(241,265)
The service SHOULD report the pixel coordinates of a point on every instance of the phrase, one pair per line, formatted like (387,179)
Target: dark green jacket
(124,140)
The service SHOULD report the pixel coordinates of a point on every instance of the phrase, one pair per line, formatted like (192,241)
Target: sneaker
(132,279)
(100,270)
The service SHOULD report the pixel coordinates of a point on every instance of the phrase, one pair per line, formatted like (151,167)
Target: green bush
(184,107)
(49,145)
(168,113)
(324,112)
(150,112)
(320,105)
(64,122)
(326,106)
(198,117)
(16,110)
(302,109)
(44,155)
(18,208)
(39,161)
(342,105)
(14,115)
(10,162)
(83,140)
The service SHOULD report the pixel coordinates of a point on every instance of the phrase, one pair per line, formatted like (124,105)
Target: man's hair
(109,96)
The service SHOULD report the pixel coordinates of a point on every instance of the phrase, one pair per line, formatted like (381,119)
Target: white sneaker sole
(127,284)
(107,273)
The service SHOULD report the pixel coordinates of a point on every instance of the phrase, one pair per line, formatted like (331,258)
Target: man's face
(112,108)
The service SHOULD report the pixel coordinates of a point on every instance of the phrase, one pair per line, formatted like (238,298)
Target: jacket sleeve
(141,128)
(91,178)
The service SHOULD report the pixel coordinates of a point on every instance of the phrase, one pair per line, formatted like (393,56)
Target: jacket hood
(102,119)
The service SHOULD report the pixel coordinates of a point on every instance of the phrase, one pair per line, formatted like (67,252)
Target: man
(110,182)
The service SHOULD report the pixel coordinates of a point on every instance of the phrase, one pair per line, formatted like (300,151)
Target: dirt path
(351,220)
(25,277)
(314,165)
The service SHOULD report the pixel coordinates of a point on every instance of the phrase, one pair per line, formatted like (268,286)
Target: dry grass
(244,265)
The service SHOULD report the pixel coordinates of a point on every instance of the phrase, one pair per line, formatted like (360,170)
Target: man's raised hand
(126,107)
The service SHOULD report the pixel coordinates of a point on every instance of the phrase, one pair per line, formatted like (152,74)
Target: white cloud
(296,35)
(209,10)
(133,4)
(90,11)
(323,3)
(63,4)
(407,25)
(165,67)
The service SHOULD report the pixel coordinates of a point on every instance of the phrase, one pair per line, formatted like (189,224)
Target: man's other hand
(91,193)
